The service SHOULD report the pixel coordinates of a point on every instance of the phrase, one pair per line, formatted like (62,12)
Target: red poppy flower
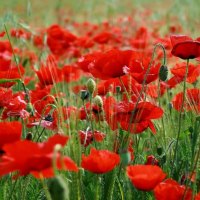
(59,39)
(5,96)
(192,102)
(185,47)
(2,33)
(87,137)
(71,73)
(20,33)
(140,41)
(170,189)
(38,40)
(16,107)
(10,72)
(85,61)
(49,75)
(111,64)
(129,83)
(10,132)
(100,161)
(29,157)
(153,90)
(145,177)
(96,111)
(84,42)
(151,160)
(197,197)
(5,53)
(179,71)
(103,37)
(142,116)
(139,67)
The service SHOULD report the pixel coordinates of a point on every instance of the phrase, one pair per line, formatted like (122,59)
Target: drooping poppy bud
(58,188)
(163,73)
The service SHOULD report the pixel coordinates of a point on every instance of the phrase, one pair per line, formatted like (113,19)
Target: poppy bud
(98,101)
(91,86)
(29,136)
(84,94)
(163,73)
(109,94)
(170,105)
(125,158)
(58,188)
(29,108)
(159,150)
(118,89)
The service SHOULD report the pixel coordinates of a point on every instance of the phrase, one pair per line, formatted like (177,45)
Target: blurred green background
(45,12)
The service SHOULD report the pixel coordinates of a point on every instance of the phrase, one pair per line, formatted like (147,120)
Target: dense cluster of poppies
(104,116)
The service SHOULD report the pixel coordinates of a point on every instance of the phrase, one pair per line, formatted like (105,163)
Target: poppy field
(99,100)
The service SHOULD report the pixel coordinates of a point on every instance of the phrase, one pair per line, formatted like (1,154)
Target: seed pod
(58,188)
(98,101)
(91,86)
(163,73)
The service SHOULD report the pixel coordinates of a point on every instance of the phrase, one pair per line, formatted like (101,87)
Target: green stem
(46,191)
(120,188)
(162,120)
(180,113)
(97,192)
(111,186)
(144,81)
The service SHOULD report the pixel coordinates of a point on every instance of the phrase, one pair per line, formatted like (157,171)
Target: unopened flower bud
(170,106)
(58,188)
(109,94)
(29,108)
(98,101)
(118,89)
(125,158)
(29,136)
(159,151)
(91,86)
(84,94)
(163,73)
